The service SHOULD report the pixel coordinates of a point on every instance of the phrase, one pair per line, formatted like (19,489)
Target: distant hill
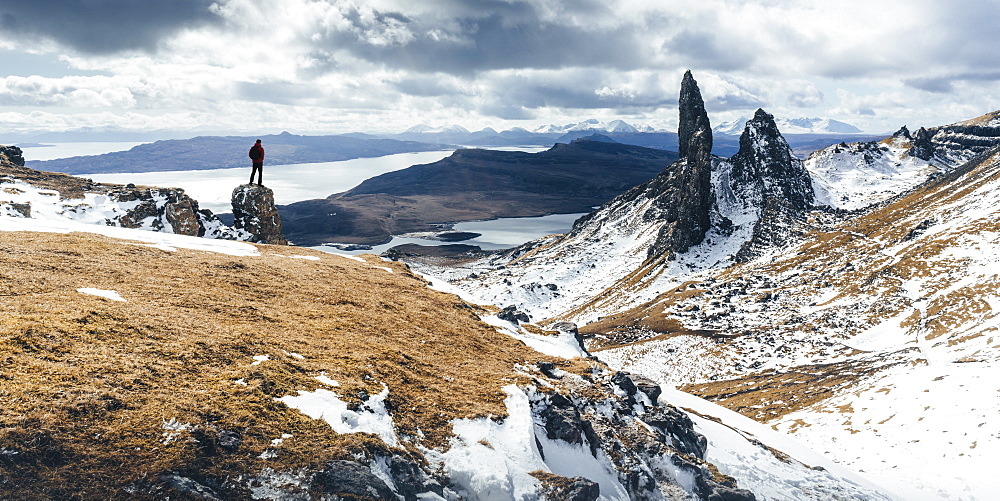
(471,185)
(222,152)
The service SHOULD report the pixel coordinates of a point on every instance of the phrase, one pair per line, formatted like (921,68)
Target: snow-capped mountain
(593,124)
(427,129)
(792,126)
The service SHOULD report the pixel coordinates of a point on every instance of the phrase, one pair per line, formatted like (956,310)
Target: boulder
(255,213)
(513,315)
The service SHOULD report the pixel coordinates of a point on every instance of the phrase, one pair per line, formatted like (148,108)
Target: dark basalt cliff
(766,173)
(686,199)
(955,144)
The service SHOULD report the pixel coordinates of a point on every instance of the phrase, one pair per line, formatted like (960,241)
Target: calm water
(64,150)
(496,234)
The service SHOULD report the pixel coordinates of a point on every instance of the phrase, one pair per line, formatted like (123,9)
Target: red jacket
(260,149)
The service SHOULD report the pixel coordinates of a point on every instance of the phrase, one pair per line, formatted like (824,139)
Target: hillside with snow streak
(872,340)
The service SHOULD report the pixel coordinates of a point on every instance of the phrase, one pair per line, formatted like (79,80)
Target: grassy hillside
(103,396)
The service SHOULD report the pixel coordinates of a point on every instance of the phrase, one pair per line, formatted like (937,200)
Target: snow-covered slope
(872,341)
(51,199)
(857,175)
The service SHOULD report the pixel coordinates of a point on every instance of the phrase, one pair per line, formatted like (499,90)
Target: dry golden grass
(769,395)
(86,383)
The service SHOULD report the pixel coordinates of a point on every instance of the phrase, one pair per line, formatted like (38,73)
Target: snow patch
(562,345)
(106,294)
(371,417)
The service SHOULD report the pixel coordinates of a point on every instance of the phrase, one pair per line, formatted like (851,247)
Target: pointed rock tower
(254,212)
(765,166)
(685,198)
(766,174)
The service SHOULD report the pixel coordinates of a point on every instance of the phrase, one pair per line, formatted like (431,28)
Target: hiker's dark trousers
(258,168)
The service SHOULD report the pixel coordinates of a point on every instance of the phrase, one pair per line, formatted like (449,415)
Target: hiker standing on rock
(257,156)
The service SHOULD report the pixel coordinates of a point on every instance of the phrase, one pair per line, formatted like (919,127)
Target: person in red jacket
(257,157)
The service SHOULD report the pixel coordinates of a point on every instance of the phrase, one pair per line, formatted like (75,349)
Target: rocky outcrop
(693,117)
(13,154)
(766,175)
(638,435)
(780,223)
(952,145)
(165,209)
(255,213)
(765,166)
(513,315)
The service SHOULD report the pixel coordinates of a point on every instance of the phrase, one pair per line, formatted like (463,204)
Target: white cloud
(387,61)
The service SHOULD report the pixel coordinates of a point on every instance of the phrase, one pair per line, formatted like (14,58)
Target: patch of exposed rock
(255,213)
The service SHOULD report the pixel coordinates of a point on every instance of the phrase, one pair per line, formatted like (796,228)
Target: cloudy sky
(330,66)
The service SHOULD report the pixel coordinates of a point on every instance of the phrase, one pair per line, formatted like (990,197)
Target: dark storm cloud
(514,36)
(945,84)
(706,50)
(103,26)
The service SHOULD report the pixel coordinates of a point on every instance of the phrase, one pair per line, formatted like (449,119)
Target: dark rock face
(952,145)
(683,193)
(14,154)
(562,420)
(608,427)
(922,146)
(513,315)
(766,167)
(411,481)
(678,429)
(352,480)
(779,224)
(693,117)
(254,212)
(767,174)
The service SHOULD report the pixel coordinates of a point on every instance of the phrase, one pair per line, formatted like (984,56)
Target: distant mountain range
(792,126)
(804,135)
(222,152)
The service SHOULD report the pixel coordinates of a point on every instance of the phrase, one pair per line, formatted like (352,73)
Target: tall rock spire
(693,117)
(686,199)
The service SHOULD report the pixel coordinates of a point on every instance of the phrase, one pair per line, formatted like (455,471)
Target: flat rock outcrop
(255,213)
